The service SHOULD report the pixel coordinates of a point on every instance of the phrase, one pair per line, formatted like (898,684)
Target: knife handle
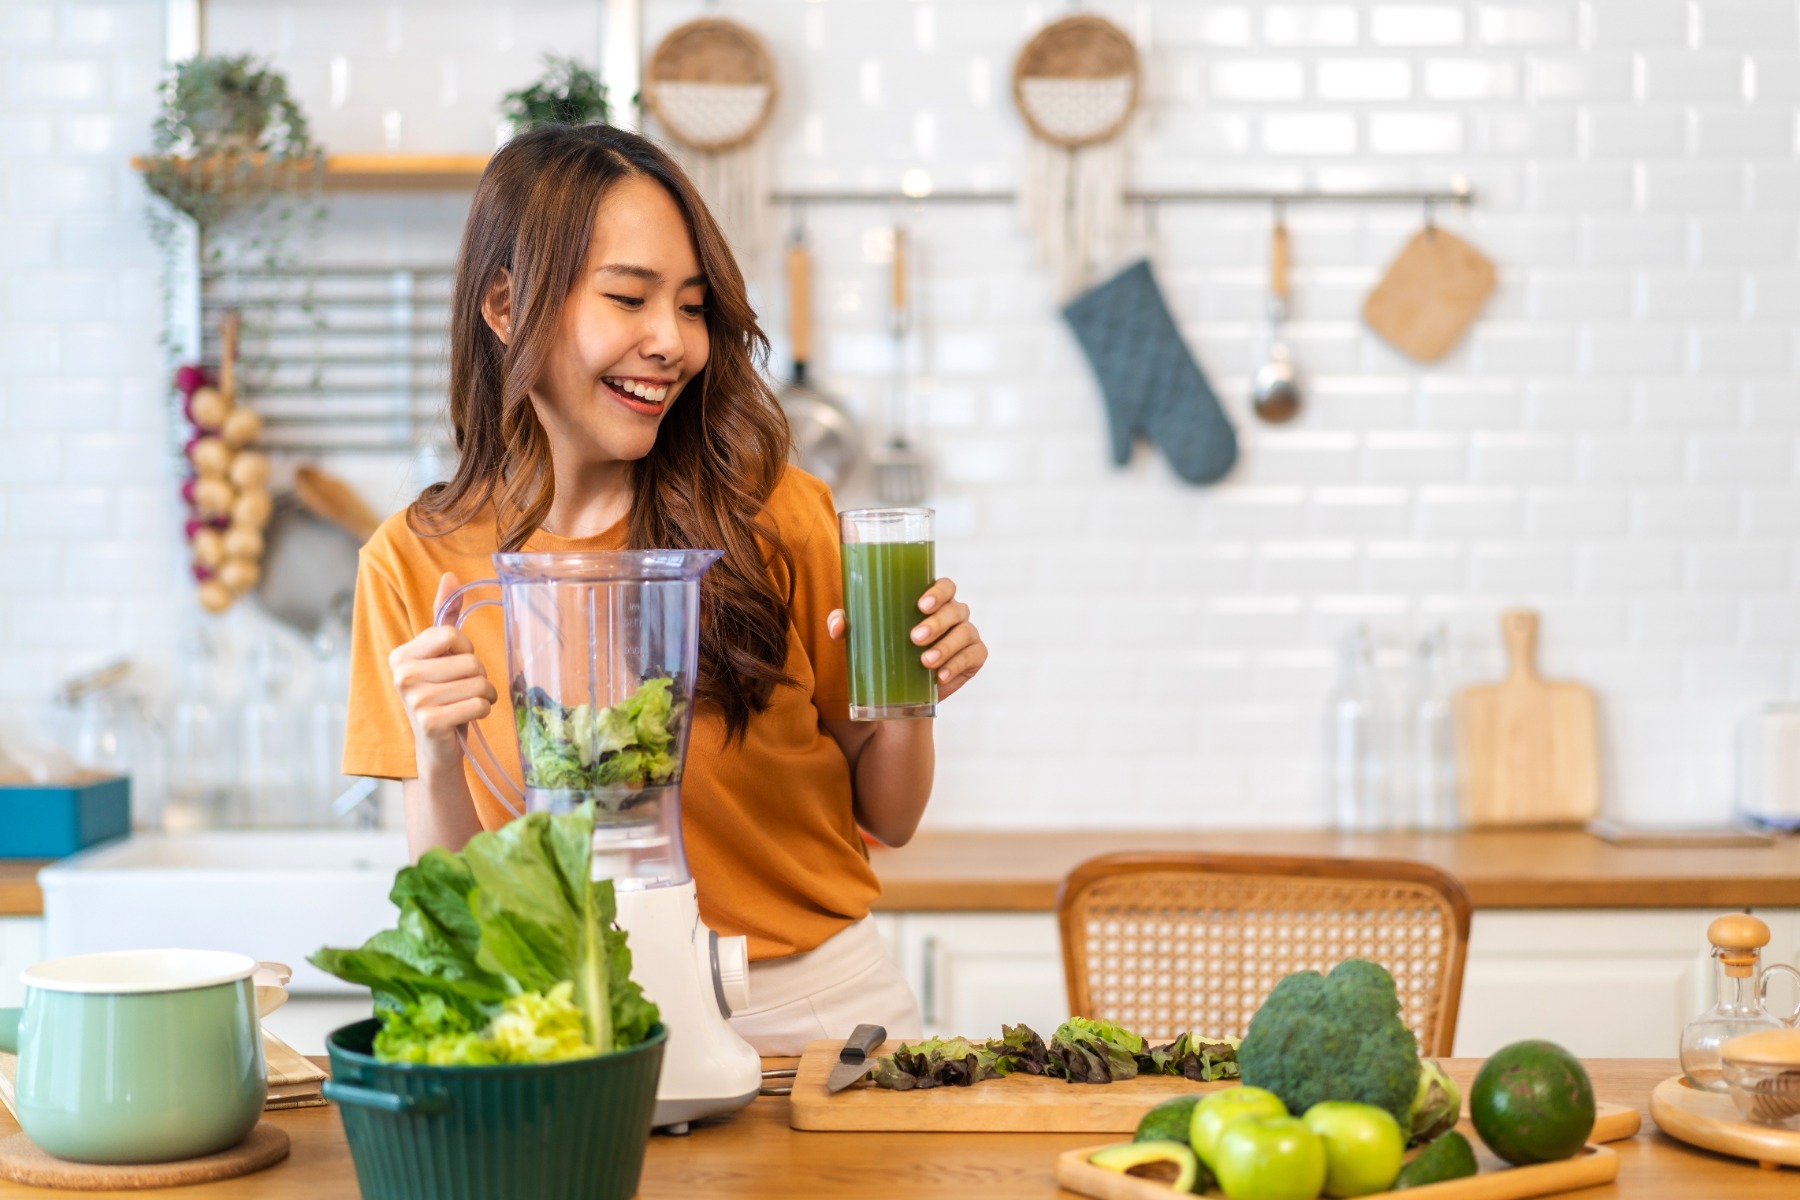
(861,1043)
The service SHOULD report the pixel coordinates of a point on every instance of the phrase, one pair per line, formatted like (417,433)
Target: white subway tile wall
(1617,442)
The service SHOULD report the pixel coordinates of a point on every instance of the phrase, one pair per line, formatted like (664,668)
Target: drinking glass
(889,563)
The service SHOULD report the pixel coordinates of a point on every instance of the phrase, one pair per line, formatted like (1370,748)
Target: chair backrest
(1167,943)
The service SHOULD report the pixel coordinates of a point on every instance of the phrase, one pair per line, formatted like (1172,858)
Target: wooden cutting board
(1712,1122)
(1021,1104)
(1430,294)
(1591,1165)
(1529,746)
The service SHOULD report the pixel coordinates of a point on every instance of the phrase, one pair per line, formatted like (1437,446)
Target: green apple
(1269,1158)
(1220,1109)
(1364,1148)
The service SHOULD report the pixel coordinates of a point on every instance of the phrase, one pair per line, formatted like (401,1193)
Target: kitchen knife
(853,1059)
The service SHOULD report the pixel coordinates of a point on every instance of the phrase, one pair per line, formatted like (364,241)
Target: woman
(604,396)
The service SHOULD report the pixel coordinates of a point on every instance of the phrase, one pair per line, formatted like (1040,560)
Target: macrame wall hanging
(1077,84)
(711,85)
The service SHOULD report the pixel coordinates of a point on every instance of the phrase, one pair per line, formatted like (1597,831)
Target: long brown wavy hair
(718,454)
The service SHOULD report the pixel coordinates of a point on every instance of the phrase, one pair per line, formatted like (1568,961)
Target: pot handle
(430,1104)
(269,982)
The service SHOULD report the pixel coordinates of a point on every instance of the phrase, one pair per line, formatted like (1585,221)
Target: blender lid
(605,566)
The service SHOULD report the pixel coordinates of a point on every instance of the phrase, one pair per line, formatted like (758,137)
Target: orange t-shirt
(770,836)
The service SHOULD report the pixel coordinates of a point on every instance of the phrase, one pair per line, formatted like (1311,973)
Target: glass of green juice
(889,564)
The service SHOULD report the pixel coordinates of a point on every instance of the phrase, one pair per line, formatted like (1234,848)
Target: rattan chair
(1165,943)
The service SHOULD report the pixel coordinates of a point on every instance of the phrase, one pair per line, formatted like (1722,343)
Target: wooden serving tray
(1021,1104)
(1590,1166)
(1711,1121)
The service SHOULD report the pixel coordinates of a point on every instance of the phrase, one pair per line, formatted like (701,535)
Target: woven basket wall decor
(1077,84)
(711,85)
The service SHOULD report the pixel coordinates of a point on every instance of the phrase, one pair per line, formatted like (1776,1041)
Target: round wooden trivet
(22,1162)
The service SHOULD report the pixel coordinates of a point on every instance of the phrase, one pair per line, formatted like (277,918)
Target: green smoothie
(883,582)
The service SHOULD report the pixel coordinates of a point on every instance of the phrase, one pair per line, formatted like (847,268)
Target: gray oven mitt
(1151,383)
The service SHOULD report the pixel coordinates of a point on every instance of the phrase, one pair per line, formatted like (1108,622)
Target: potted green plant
(567,93)
(227,138)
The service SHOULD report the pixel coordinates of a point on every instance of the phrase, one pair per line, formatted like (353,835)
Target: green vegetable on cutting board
(1334,1037)
(506,952)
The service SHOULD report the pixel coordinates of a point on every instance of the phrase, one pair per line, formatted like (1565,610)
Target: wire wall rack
(338,359)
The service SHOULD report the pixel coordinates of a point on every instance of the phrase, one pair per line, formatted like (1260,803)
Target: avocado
(1449,1157)
(1168,1121)
(1166,1162)
(1532,1102)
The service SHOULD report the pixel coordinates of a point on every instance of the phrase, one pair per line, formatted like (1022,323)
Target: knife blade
(853,1059)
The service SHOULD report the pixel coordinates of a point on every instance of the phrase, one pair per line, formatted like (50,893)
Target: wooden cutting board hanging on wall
(1430,294)
(1529,746)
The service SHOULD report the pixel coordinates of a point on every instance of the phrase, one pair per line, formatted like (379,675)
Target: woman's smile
(646,396)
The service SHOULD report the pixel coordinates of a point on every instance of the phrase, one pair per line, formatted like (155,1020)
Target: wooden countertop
(991,871)
(755,1155)
(19,894)
(995,871)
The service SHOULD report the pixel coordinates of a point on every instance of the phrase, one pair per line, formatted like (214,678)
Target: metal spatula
(899,467)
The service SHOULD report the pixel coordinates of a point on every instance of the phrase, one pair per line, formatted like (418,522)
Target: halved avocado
(1167,1162)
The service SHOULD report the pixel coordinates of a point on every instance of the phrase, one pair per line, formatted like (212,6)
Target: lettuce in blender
(629,744)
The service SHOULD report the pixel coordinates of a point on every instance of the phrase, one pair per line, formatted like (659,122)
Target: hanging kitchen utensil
(1275,394)
(1076,83)
(330,497)
(1430,293)
(309,560)
(825,439)
(899,466)
(712,84)
(1529,746)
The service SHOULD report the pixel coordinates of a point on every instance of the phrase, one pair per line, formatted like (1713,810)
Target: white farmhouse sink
(277,895)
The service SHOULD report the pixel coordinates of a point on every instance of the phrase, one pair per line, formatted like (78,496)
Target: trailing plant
(567,93)
(234,176)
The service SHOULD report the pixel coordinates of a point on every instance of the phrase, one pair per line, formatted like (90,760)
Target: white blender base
(707,1068)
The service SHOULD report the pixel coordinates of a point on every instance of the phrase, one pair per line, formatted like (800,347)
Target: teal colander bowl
(571,1130)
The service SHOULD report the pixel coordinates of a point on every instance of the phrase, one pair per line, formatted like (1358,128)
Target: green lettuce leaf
(628,744)
(488,938)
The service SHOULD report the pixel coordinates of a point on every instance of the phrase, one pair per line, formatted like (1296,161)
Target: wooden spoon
(336,501)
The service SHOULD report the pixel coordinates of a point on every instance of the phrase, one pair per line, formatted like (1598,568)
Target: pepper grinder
(1740,988)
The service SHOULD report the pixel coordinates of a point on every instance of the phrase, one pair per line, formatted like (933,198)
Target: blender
(602,651)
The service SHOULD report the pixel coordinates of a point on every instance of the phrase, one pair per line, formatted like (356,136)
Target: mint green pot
(135,1075)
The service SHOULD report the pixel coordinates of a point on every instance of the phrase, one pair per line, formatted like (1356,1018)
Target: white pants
(846,981)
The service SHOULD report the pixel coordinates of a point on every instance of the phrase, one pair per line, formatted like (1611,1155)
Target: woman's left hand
(953,646)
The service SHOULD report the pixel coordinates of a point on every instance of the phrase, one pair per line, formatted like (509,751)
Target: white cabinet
(21,944)
(1606,983)
(974,972)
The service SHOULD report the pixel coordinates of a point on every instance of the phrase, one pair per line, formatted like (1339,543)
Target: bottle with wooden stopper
(1741,987)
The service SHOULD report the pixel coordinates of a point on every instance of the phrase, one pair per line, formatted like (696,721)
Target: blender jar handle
(1762,991)
(484,762)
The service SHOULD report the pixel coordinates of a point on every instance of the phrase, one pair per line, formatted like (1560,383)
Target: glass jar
(1741,987)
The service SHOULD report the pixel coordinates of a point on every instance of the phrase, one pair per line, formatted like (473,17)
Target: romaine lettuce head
(508,943)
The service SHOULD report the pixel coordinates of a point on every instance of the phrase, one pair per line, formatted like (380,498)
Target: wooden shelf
(394,172)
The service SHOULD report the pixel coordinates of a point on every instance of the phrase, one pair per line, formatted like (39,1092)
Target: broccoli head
(1334,1037)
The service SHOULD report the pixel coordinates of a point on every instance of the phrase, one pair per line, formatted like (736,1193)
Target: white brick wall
(1615,443)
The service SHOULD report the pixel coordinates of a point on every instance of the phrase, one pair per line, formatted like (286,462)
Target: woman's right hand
(442,685)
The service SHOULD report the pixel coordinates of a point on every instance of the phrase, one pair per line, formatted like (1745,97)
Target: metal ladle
(1275,391)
